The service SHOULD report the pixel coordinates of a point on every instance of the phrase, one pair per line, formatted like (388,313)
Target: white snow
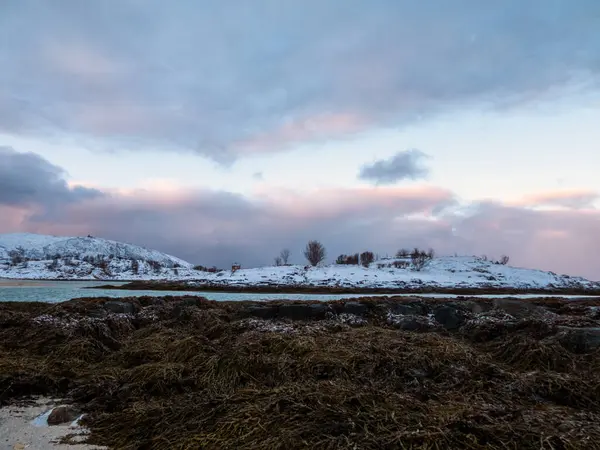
(74,255)
(444,272)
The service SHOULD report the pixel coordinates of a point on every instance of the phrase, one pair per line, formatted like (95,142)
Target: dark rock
(192,301)
(319,310)
(517,308)
(263,312)
(449,317)
(117,307)
(356,308)
(63,414)
(579,340)
(412,323)
(410,309)
(97,313)
(300,311)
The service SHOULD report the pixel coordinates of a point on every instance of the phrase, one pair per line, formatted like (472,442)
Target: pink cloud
(573,199)
(311,128)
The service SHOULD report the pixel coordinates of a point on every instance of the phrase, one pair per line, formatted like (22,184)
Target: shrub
(17,256)
(135,266)
(53,265)
(401,264)
(504,260)
(402,253)
(155,265)
(285,256)
(419,259)
(314,252)
(347,259)
(367,258)
(278,261)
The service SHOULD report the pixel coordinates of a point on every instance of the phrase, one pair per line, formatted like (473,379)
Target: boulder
(356,308)
(449,317)
(118,307)
(63,414)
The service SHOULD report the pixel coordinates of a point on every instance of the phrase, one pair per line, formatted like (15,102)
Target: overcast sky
(222,131)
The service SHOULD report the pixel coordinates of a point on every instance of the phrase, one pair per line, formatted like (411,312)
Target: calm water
(60,291)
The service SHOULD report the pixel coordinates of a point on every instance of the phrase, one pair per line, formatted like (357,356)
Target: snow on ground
(89,258)
(443,272)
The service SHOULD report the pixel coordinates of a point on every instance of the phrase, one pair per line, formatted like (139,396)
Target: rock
(412,323)
(63,414)
(449,317)
(410,309)
(356,308)
(192,301)
(319,310)
(518,308)
(301,311)
(117,307)
(579,340)
(263,312)
(97,313)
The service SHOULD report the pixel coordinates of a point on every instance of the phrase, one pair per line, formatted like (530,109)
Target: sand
(19,432)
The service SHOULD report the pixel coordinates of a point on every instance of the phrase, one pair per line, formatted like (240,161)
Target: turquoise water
(60,291)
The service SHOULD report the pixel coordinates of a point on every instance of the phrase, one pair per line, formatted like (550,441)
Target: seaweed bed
(184,372)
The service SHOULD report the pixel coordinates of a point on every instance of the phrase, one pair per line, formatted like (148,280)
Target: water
(60,291)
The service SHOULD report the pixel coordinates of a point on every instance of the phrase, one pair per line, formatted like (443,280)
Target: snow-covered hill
(35,256)
(444,272)
(31,256)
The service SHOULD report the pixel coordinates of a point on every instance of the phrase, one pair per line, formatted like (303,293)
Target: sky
(226,131)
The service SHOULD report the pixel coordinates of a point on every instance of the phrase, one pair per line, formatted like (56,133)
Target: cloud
(218,227)
(27,179)
(226,80)
(572,199)
(402,166)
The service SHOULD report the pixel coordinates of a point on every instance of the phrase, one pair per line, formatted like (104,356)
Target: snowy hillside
(444,272)
(31,256)
(35,256)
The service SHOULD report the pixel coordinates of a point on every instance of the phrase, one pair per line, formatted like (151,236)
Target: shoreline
(323,290)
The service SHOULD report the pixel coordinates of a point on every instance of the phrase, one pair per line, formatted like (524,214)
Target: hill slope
(31,256)
(458,272)
(35,256)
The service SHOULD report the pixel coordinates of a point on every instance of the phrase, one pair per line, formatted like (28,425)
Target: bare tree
(402,253)
(285,256)
(278,261)
(366,258)
(504,260)
(314,252)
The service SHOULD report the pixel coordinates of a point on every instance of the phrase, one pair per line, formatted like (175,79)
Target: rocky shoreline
(319,290)
(363,373)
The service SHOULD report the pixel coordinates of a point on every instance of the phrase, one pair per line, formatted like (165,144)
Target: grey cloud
(219,228)
(28,179)
(213,77)
(402,166)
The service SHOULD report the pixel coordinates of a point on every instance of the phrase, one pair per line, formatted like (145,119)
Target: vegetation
(190,373)
(366,258)
(314,252)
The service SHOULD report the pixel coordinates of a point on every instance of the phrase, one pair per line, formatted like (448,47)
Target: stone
(97,313)
(295,312)
(63,414)
(412,323)
(410,309)
(118,307)
(356,308)
(263,312)
(517,308)
(449,317)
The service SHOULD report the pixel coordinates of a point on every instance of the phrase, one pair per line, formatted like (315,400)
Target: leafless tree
(314,252)
(402,253)
(366,258)
(504,260)
(285,256)
(278,261)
